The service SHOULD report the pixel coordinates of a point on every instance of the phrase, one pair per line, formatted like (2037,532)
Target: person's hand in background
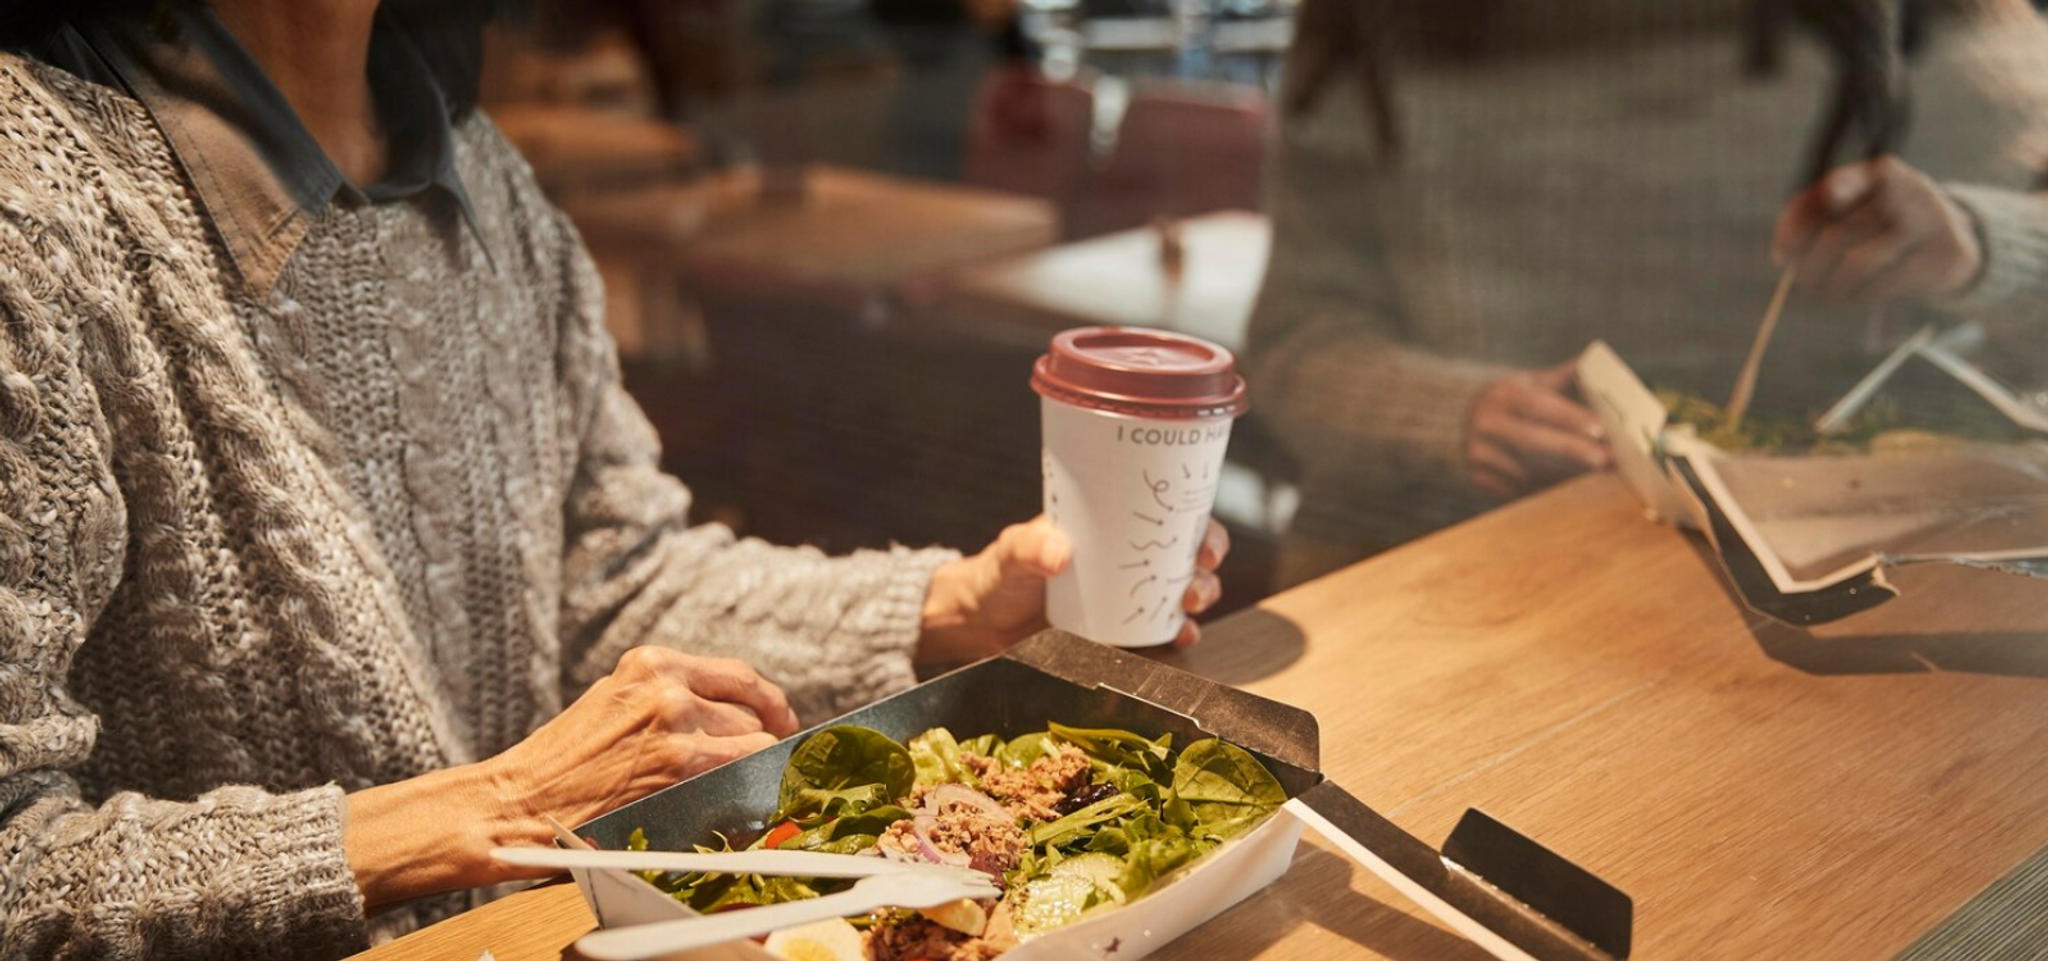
(980,605)
(1875,231)
(1527,431)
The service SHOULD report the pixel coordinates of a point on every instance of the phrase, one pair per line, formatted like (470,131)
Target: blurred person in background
(1468,193)
(322,499)
(947,48)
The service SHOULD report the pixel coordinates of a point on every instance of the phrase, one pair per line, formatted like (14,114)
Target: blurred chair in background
(1181,150)
(1033,135)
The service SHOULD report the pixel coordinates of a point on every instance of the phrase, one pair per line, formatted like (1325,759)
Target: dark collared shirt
(259,173)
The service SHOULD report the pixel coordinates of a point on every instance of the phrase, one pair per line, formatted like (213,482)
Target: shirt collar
(258,172)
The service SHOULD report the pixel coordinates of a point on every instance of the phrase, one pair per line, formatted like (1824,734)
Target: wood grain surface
(833,226)
(1582,674)
(1121,278)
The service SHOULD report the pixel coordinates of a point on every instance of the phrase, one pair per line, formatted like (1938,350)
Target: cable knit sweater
(256,554)
(1623,188)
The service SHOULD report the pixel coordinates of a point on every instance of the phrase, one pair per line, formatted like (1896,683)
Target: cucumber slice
(1101,870)
(1050,902)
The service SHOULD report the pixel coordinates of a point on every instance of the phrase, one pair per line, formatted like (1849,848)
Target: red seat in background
(1181,150)
(1033,135)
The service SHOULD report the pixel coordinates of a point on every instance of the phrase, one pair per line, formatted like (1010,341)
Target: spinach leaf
(1118,748)
(1073,826)
(843,770)
(848,835)
(1225,789)
(937,759)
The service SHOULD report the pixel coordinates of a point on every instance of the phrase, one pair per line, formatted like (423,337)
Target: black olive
(1084,796)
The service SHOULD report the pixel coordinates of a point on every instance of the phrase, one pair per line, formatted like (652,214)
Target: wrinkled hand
(1875,231)
(1525,432)
(659,717)
(980,605)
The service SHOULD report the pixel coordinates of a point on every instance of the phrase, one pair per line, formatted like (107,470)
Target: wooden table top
(1121,278)
(1583,675)
(842,227)
(572,147)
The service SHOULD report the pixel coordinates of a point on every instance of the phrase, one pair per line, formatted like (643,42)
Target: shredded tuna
(992,845)
(916,939)
(1033,793)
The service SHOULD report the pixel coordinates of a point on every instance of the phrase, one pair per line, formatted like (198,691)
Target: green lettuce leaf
(986,745)
(843,770)
(937,758)
(1021,752)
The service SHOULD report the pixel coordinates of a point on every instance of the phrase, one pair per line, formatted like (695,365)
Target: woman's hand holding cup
(980,605)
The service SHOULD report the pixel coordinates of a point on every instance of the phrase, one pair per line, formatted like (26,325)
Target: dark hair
(448,32)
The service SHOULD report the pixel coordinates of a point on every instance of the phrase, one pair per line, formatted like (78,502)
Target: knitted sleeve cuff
(2012,229)
(239,872)
(1367,410)
(873,657)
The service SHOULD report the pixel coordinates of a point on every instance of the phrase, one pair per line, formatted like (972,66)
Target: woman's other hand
(660,717)
(1526,431)
(978,606)
(1876,231)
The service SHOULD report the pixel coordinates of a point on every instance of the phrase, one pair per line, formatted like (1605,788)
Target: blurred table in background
(574,148)
(1125,278)
(831,231)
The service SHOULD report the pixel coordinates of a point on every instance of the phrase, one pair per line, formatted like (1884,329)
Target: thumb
(1035,548)
(1563,378)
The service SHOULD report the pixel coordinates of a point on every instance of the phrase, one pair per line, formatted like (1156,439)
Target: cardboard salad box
(1811,538)
(1502,890)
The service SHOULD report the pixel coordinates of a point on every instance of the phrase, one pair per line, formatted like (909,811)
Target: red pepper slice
(781,833)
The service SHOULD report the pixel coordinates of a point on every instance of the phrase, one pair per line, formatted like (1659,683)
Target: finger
(1549,454)
(731,681)
(1190,634)
(1912,274)
(1202,593)
(1215,547)
(1490,459)
(1864,268)
(1494,483)
(1555,410)
(710,752)
(1834,242)
(727,720)
(1034,548)
(1840,191)
(1563,378)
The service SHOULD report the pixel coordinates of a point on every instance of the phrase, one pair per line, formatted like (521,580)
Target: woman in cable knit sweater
(1467,192)
(318,501)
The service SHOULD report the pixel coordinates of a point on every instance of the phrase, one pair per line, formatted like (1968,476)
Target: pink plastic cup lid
(1143,373)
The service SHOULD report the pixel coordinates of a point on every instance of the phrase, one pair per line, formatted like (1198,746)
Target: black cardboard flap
(1506,893)
(1268,727)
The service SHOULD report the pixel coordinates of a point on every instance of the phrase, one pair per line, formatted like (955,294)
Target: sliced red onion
(922,827)
(946,794)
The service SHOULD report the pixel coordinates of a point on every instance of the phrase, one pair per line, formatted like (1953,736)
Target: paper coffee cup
(1136,423)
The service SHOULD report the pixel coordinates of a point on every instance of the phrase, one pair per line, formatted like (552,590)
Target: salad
(1884,424)
(1070,821)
